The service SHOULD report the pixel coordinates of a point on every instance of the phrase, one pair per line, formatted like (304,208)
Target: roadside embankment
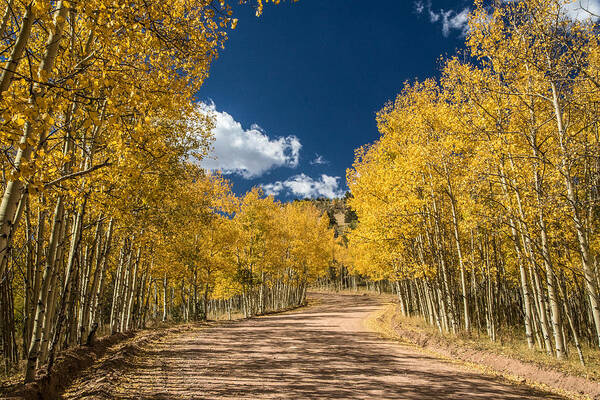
(390,323)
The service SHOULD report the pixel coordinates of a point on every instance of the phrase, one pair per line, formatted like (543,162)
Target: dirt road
(322,352)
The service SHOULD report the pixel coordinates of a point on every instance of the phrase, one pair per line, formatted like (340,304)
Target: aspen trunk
(67,293)
(117,289)
(17,51)
(550,280)
(132,289)
(165,314)
(45,292)
(582,236)
(5,18)
(12,192)
(463,281)
(522,273)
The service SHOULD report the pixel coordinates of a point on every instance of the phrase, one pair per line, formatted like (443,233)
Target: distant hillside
(341,217)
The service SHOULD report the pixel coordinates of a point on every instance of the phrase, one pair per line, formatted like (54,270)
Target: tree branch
(77,174)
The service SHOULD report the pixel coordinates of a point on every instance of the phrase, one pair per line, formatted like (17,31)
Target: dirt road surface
(321,352)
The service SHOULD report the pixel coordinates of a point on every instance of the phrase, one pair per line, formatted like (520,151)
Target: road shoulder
(387,322)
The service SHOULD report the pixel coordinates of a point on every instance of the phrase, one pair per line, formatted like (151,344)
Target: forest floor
(324,351)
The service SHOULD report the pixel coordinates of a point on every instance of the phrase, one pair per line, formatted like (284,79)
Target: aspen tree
(469,177)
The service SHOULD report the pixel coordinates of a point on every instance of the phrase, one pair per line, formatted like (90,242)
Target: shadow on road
(321,353)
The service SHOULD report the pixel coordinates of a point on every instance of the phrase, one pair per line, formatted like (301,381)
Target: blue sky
(296,90)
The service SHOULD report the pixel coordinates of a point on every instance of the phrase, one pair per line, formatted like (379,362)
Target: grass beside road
(469,349)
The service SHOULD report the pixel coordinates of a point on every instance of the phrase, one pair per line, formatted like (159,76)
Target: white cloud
(433,16)
(458,21)
(577,10)
(273,189)
(305,186)
(247,152)
(582,10)
(450,19)
(419,7)
(319,160)
(453,20)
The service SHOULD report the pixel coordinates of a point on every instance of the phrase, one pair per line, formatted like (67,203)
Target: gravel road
(320,352)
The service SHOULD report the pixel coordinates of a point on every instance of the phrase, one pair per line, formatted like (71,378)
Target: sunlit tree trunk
(12,191)
(582,236)
(463,281)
